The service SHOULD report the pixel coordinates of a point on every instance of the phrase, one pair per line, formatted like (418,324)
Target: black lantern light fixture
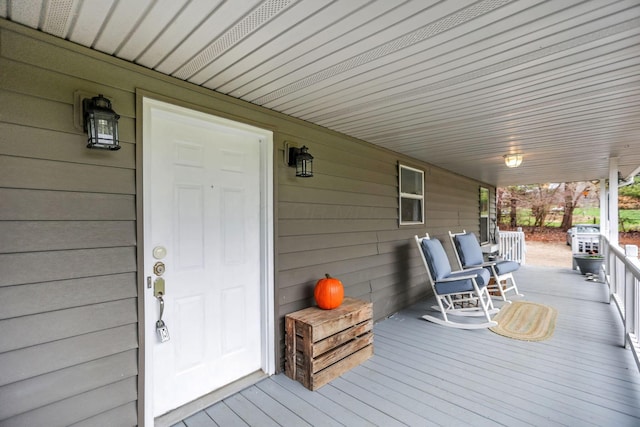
(100,123)
(302,161)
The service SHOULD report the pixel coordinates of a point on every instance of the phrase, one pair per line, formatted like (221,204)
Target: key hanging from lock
(161,328)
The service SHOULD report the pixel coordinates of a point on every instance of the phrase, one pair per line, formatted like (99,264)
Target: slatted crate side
(340,338)
(330,373)
(323,344)
(325,323)
(340,352)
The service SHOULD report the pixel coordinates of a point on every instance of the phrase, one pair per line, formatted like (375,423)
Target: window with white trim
(411,189)
(484,215)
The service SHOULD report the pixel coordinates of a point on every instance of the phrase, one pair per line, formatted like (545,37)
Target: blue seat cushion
(468,249)
(464,285)
(504,267)
(437,259)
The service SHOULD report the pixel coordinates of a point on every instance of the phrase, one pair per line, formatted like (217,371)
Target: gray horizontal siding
(122,416)
(80,407)
(40,359)
(25,141)
(31,205)
(27,299)
(60,265)
(25,331)
(292,244)
(68,250)
(289,193)
(30,236)
(55,115)
(58,385)
(318,211)
(20,172)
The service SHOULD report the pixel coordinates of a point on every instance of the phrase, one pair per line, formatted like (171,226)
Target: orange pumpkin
(329,293)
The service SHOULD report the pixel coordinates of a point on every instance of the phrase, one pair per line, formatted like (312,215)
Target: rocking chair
(460,293)
(469,255)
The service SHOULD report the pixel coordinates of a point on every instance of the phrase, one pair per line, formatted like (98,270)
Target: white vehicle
(583,229)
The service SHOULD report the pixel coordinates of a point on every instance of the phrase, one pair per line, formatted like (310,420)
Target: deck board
(299,406)
(425,374)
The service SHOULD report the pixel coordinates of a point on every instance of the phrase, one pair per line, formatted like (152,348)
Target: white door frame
(267,285)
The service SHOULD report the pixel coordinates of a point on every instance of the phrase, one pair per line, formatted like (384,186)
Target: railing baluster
(623,278)
(512,246)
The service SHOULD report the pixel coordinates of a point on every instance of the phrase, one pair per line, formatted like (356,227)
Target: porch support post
(604,222)
(613,201)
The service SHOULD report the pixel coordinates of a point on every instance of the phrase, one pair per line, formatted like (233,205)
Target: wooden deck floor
(423,374)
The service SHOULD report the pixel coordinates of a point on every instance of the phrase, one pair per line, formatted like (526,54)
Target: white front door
(204,225)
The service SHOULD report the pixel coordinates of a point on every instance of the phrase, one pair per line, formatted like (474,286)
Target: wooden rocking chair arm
(484,264)
(457,278)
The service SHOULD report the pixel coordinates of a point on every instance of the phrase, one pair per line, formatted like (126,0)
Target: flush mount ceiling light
(513,160)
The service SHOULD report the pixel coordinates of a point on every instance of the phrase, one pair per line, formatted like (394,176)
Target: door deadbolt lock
(158,268)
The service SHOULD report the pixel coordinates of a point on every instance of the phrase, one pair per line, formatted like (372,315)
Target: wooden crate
(323,344)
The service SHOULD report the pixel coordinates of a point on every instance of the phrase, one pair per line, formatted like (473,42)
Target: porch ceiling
(457,84)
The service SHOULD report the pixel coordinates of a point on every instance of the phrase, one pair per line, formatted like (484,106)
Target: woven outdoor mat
(527,321)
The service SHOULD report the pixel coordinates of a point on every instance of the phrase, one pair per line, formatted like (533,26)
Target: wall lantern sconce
(301,160)
(513,160)
(100,123)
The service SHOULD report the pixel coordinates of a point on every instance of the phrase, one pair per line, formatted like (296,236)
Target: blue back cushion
(436,258)
(469,249)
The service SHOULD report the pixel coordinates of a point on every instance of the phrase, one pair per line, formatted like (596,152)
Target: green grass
(629,218)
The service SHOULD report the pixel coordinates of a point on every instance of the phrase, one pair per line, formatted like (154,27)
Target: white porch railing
(512,246)
(623,277)
(585,243)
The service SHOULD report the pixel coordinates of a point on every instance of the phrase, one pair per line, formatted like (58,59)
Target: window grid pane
(411,195)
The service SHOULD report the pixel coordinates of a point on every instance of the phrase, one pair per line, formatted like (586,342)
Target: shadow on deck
(423,374)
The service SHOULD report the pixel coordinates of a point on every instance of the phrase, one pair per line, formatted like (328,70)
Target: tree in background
(527,205)
(632,191)
(572,192)
(540,198)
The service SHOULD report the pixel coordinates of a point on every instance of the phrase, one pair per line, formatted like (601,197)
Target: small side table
(490,250)
(323,344)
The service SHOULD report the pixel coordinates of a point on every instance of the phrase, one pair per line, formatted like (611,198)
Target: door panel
(202,205)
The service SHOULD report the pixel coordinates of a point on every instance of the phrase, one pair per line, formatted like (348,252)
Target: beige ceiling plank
(185,22)
(59,17)
(121,23)
(554,97)
(26,12)
(279,32)
(595,136)
(89,21)
(612,116)
(206,33)
(464,45)
(463,95)
(412,30)
(356,41)
(473,138)
(488,71)
(234,35)
(442,59)
(251,77)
